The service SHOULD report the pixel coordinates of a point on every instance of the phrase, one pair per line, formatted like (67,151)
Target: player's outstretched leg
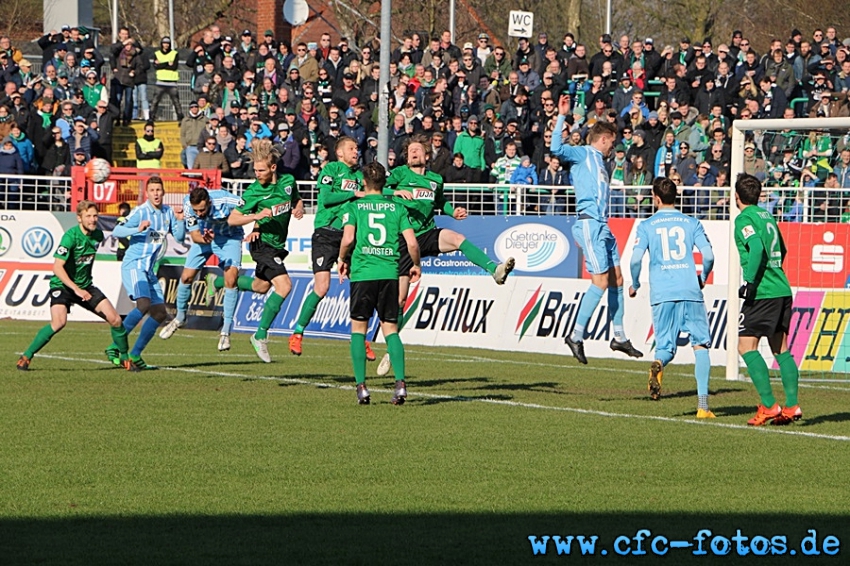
(184,292)
(259,340)
(231,298)
(42,337)
(616,311)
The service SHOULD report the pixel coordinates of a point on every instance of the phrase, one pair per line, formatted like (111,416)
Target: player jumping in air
(591,230)
(338,184)
(71,284)
(421,192)
(767,303)
(675,288)
(206,214)
(270,202)
(147,228)
(374,226)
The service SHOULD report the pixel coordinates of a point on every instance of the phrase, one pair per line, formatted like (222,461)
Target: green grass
(220,459)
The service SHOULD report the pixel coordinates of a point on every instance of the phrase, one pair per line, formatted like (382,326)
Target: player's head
(374,177)
(265,160)
(747,190)
(602,136)
(664,189)
(155,190)
(347,151)
(417,150)
(199,200)
(87,215)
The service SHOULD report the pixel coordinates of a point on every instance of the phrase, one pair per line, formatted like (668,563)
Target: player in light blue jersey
(675,287)
(206,219)
(147,227)
(591,232)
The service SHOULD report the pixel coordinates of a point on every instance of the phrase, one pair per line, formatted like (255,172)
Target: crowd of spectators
(489,111)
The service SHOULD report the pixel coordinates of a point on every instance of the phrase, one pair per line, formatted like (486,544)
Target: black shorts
(67,297)
(325,251)
(429,246)
(765,317)
(269,260)
(369,296)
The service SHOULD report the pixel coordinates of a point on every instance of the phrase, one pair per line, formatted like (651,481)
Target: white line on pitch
(322,385)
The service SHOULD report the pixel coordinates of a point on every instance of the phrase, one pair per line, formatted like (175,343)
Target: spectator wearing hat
(126,66)
(482,48)
(470,143)
(621,101)
(526,51)
(49,41)
(290,150)
(527,76)
(166,78)
(149,149)
(211,157)
(191,129)
(606,53)
(347,93)
(82,137)
(247,50)
(353,129)
(210,130)
(93,91)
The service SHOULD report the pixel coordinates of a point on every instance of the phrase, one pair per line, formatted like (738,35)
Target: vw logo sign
(37,242)
(5,241)
(535,247)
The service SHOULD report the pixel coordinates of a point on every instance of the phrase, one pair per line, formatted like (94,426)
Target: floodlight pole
(114,21)
(171,23)
(384,85)
(608,17)
(452,19)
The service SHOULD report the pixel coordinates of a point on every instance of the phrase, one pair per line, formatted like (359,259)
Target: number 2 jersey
(670,237)
(427,191)
(755,228)
(378,223)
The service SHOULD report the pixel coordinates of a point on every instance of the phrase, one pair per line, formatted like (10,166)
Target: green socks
(120,339)
(790,376)
(478,257)
(270,310)
(760,376)
(243,283)
(396,351)
(42,338)
(308,309)
(358,357)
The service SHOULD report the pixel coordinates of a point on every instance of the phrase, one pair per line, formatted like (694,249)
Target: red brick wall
(270,16)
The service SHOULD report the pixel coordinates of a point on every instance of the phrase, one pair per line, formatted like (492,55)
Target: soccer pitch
(221,459)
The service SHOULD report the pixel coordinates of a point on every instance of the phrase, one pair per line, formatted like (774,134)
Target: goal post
(740,129)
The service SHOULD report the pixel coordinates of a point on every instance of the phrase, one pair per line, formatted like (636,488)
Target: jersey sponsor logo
(456,312)
(37,242)
(826,257)
(747,231)
(327,180)
(535,247)
(85,260)
(423,194)
(349,185)
(5,241)
(282,208)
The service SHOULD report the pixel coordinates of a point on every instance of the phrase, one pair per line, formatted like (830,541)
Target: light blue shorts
(597,244)
(141,285)
(228,251)
(669,319)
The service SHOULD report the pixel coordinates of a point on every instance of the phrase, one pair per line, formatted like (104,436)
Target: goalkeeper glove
(747,292)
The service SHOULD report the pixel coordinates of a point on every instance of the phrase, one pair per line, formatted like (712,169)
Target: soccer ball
(98,170)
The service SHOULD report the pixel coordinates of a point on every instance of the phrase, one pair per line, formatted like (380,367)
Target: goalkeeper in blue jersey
(206,215)
(146,227)
(591,231)
(675,288)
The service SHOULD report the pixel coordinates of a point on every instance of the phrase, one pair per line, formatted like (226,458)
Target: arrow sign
(520,24)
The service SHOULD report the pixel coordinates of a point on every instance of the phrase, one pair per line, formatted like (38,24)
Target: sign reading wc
(520,24)
(535,247)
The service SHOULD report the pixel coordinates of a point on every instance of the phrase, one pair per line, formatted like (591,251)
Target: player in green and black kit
(767,303)
(270,201)
(372,227)
(339,184)
(71,284)
(421,191)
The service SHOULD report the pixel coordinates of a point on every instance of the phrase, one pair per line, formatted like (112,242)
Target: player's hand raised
(460,213)
(406,195)
(144,225)
(564,105)
(415,273)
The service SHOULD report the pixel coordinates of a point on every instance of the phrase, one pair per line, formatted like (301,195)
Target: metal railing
(788,204)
